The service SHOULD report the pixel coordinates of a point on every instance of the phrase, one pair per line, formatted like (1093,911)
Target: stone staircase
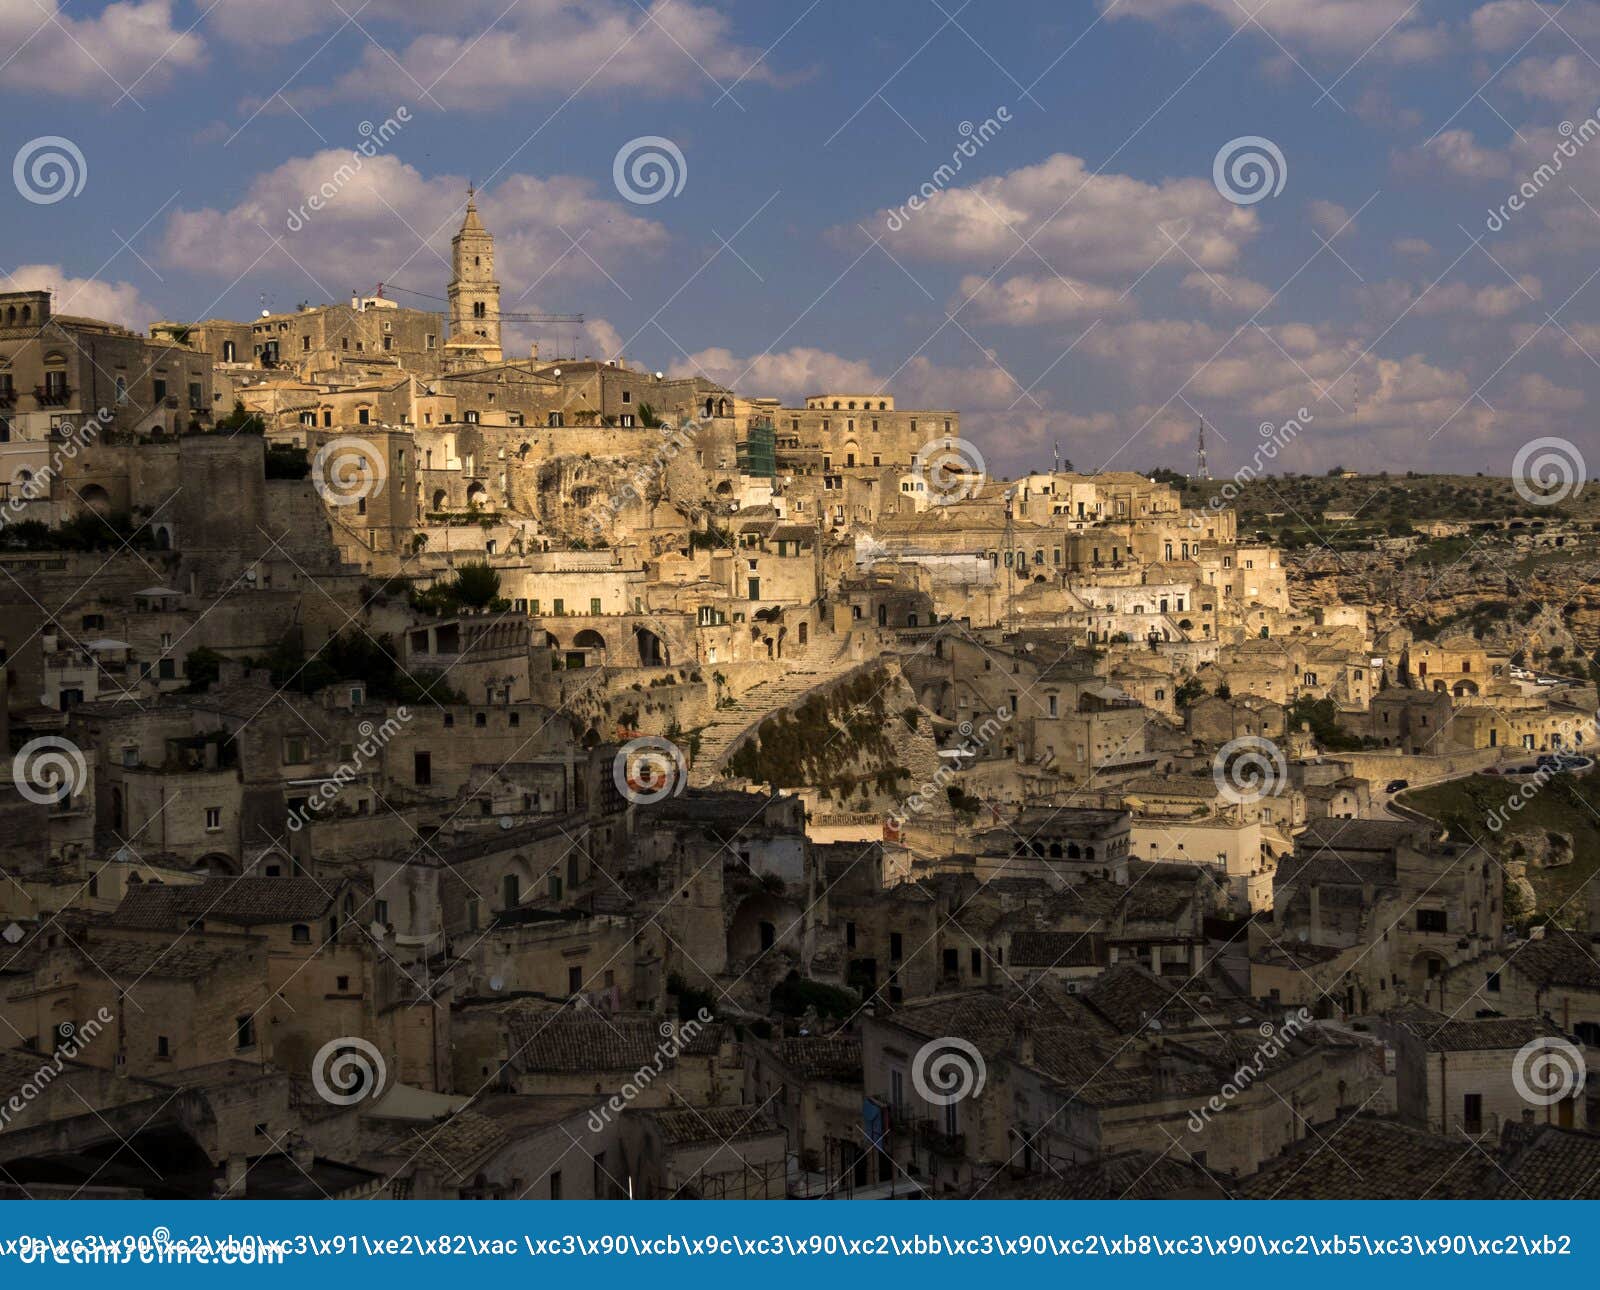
(809,671)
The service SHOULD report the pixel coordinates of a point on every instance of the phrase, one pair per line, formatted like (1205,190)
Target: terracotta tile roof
(1547,1163)
(1058,949)
(454,1145)
(1442,1034)
(1559,958)
(683,1126)
(1128,1175)
(180,960)
(1128,997)
(822,1057)
(242,901)
(572,1041)
(1364,1158)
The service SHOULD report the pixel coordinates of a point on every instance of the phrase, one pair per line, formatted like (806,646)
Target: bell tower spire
(474,293)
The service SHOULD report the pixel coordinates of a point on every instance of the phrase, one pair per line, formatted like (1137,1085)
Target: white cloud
(1392,28)
(1456,153)
(792,374)
(1388,300)
(1375,106)
(117,302)
(1024,301)
(1225,292)
(1566,80)
(1505,25)
(1329,217)
(1243,379)
(131,45)
(387,221)
(1103,224)
(1413,248)
(556,47)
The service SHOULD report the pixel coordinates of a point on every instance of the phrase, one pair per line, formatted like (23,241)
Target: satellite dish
(659,376)
(555,371)
(506,821)
(496,983)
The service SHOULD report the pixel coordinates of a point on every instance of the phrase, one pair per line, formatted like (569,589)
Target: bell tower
(474,293)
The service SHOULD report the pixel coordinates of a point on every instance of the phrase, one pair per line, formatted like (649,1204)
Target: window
(158,388)
(422,768)
(1492,983)
(896,946)
(555,1184)
(213,818)
(300,934)
(594,604)
(244,1032)
(163,1046)
(574,980)
(977,961)
(1472,1112)
(1431,920)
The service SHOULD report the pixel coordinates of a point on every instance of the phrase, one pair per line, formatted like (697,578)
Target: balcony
(51,396)
(931,1136)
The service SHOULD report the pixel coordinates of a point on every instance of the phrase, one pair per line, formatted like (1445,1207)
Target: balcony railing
(51,396)
(932,1137)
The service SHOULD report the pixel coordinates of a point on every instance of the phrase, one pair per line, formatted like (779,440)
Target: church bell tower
(474,293)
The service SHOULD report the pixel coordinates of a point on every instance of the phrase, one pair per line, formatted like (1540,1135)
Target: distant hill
(1380,499)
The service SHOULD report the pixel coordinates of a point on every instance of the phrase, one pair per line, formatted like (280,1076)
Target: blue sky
(1081,279)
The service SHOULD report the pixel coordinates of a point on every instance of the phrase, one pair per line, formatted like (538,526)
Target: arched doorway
(652,651)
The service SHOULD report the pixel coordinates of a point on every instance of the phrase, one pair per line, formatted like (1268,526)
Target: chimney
(355,301)
(1022,1039)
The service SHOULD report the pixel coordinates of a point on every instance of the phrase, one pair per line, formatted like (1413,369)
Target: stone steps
(810,671)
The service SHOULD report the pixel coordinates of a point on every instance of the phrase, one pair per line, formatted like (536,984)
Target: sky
(1089,223)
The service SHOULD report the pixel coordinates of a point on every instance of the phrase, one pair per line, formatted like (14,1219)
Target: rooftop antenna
(1201,470)
(1057,469)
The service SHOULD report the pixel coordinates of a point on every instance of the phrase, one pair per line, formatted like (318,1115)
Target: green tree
(477,586)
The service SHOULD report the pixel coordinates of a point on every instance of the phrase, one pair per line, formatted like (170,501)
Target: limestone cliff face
(850,740)
(1505,593)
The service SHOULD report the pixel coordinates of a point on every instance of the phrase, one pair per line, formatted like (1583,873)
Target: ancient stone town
(449,770)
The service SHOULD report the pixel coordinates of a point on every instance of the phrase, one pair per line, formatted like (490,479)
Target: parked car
(1395,785)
